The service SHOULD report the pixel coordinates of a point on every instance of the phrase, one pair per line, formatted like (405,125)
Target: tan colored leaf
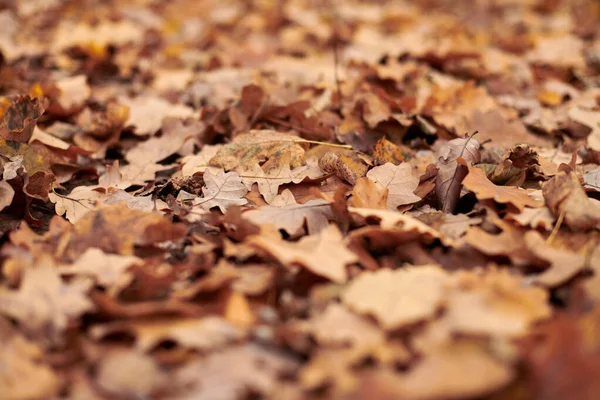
(509,242)
(348,166)
(269,181)
(146,113)
(400,182)
(70,34)
(495,303)
(448,183)
(264,147)
(6,194)
(199,162)
(400,297)
(459,370)
(324,254)
(23,361)
(292,216)
(108,270)
(222,190)
(206,333)
(238,311)
(127,373)
(590,119)
(484,189)
(591,179)
(368,194)
(74,92)
(564,264)
(78,203)
(535,218)
(44,303)
(337,325)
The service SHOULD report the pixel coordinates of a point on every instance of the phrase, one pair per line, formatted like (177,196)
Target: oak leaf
(291,216)
(324,254)
(448,183)
(146,113)
(20,118)
(400,297)
(400,182)
(484,189)
(222,190)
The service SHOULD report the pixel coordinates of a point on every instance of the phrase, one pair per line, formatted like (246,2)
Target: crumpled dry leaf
(448,183)
(564,194)
(223,189)
(44,304)
(291,216)
(397,298)
(20,118)
(400,182)
(325,254)
(346,166)
(484,189)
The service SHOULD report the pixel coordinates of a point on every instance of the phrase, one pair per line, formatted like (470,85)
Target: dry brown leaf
(74,92)
(20,118)
(238,311)
(535,218)
(591,179)
(146,113)
(563,193)
(368,194)
(199,162)
(206,333)
(348,166)
(387,152)
(44,304)
(6,194)
(448,183)
(325,254)
(78,203)
(564,264)
(494,303)
(397,298)
(484,189)
(292,216)
(400,182)
(509,242)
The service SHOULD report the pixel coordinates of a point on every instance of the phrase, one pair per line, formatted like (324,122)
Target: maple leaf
(44,303)
(324,254)
(400,182)
(416,293)
(484,189)
(291,216)
(223,189)
(448,183)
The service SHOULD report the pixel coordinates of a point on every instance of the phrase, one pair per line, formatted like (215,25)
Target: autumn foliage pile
(299,199)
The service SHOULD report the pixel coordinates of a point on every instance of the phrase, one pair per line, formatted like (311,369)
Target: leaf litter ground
(299,199)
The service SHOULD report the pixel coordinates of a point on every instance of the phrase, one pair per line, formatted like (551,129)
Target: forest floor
(299,199)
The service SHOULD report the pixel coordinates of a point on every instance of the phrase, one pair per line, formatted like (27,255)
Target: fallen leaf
(199,162)
(20,118)
(291,217)
(146,113)
(324,254)
(397,298)
(208,333)
(238,311)
(484,189)
(450,176)
(387,152)
(222,190)
(44,304)
(535,218)
(368,194)
(7,194)
(348,167)
(400,182)
(74,92)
